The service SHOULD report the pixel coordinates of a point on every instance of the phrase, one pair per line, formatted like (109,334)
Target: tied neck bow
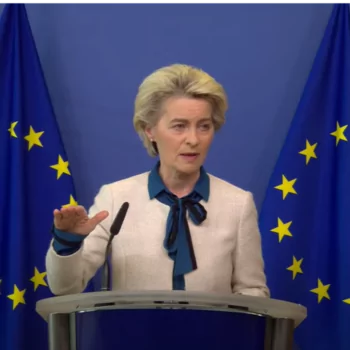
(178,242)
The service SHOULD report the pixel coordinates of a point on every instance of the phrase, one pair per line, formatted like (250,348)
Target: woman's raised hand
(75,219)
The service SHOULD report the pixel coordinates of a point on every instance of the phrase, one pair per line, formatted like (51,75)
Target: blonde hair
(175,80)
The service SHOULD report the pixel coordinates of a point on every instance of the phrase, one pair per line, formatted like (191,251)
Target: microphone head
(119,219)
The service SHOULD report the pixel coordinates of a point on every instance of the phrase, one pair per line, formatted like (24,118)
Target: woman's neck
(178,183)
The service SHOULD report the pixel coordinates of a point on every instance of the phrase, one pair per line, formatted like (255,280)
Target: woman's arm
(248,275)
(69,273)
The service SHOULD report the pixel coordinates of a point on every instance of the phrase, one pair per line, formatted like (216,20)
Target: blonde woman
(185,228)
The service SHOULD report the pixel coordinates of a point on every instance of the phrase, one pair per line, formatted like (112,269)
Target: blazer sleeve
(248,274)
(71,273)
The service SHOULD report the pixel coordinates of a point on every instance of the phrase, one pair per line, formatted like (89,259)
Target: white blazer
(227,244)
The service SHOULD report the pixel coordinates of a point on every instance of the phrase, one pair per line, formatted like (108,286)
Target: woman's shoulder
(220,188)
(135,183)
(134,180)
(129,189)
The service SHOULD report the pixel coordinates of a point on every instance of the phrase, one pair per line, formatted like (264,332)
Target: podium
(171,320)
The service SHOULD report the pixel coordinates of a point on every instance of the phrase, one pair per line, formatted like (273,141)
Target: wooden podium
(173,320)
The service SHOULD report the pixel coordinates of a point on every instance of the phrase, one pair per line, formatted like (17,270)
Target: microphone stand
(114,230)
(106,269)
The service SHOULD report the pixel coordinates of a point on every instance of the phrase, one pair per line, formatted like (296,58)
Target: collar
(156,185)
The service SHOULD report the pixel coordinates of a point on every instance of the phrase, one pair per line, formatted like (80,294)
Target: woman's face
(184,133)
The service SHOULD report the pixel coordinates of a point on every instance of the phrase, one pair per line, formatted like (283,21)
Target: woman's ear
(149,133)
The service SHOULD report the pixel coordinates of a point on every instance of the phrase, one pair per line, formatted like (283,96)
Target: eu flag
(35,179)
(305,218)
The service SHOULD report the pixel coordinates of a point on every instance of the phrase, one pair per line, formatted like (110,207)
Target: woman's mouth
(190,156)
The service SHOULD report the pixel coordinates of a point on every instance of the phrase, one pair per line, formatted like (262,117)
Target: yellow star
(61,167)
(17,297)
(33,138)
(12,129)
(72,202)
(38,279)
(309,151)
(286,186)
(339,133)
(282,229)
(321,291)
(295,267)
(346,301)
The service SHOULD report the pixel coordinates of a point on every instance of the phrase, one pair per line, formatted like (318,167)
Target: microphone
(114,230)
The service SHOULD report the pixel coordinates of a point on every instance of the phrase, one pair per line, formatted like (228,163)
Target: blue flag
(305,218)
(35,179)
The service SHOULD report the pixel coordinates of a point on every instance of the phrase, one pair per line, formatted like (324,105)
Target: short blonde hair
(175,80)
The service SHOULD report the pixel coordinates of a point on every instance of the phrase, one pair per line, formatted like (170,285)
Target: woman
(185,229)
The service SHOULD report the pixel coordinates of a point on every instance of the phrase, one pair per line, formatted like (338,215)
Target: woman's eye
(179,126)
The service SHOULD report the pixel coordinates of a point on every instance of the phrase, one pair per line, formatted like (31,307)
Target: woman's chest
(144,231)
